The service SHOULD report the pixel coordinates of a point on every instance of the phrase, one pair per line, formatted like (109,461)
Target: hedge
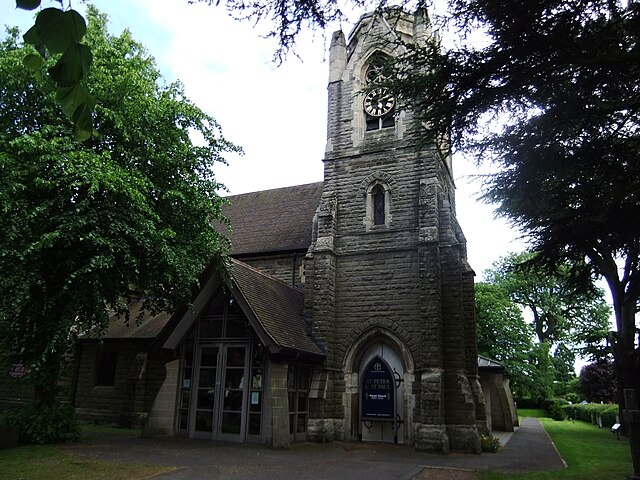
(590,412)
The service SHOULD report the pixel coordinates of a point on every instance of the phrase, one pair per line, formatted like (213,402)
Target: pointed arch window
(378,206)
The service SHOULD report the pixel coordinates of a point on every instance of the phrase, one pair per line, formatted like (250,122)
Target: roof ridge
(277,188)
(260,272)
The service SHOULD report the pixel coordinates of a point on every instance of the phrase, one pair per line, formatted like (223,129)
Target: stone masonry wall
(137,381)
(287,268)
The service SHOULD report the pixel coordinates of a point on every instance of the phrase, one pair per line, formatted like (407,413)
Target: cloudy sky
(277,113)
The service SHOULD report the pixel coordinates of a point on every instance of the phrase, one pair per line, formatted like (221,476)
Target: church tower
(389,292)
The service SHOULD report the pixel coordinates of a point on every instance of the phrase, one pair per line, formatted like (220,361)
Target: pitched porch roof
(274,310)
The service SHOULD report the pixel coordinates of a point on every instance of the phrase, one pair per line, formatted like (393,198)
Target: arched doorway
(397,359)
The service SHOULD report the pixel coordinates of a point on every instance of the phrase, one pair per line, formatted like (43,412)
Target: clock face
(378,102)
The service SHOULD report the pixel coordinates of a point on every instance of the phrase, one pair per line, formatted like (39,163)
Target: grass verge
(49,462)
(590,452)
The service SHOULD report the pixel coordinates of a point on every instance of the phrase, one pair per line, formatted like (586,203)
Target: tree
(86,227)
(597,382)
(563,362)
(561,310)
(504,335)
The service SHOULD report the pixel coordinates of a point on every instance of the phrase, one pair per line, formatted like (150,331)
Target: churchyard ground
(589,452)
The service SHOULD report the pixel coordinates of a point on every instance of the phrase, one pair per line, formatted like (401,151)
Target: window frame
(106,368)
(372,216)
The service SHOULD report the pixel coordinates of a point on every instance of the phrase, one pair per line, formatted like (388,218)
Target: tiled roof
(277,306)
(273,220)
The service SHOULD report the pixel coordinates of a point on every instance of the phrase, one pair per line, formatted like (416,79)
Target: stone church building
(350,313)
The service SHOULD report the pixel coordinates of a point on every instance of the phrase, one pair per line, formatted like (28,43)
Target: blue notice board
(378,391)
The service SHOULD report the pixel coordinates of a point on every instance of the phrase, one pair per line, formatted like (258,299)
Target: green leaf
(72,66)
(32,37)
(83,121)
(59,30)
(33,62)
(27,4)
(72,97)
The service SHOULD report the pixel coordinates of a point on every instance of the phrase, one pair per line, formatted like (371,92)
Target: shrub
(43,423)
(557,411)
(489,443)
(556,408)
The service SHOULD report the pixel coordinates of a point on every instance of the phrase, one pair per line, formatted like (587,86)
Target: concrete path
(528,449)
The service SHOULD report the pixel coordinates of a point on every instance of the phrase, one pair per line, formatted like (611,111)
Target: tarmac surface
(528,449)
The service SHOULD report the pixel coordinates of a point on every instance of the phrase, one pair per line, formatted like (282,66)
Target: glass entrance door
(219,403)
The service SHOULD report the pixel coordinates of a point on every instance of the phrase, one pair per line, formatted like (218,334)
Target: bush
(43,423)
(556,408)
(557,411)
(489,443)
(590,412)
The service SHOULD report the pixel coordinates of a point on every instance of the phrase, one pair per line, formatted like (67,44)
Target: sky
(276,113)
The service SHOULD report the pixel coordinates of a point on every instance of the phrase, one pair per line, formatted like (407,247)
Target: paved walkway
(528,449)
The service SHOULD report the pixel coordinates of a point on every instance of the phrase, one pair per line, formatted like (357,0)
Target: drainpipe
(293,270)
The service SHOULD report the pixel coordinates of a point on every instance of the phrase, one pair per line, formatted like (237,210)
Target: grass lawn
(49,462)
(590,452)
(532,412)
